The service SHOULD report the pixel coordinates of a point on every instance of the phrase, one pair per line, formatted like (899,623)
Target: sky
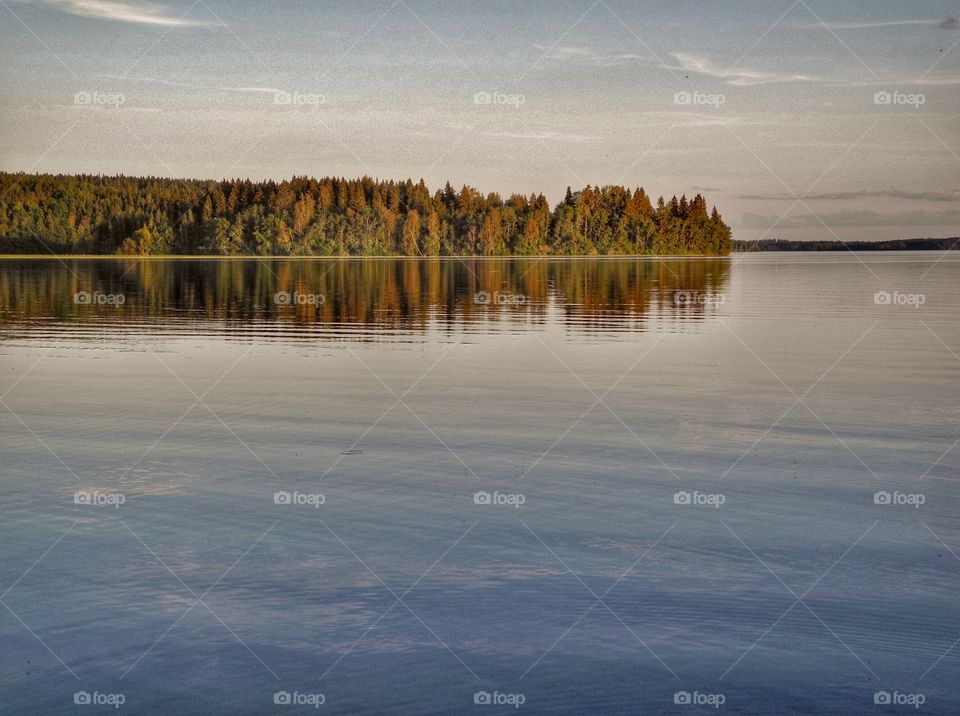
(800,119)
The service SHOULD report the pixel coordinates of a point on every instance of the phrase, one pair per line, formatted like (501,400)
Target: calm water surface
(683,459)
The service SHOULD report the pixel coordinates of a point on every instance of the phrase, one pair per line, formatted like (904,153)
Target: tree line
(944,244)
(330,216)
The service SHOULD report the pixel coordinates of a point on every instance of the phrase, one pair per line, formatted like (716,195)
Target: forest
(943,244)
(88,214)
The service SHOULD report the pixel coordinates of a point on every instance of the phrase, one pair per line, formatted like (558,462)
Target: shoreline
(257,257)
(462,257)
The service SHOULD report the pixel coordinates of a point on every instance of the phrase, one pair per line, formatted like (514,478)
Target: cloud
(856,195)
(738,76)
(749,77)
(589,55)
(132,11)
(565,52)
(951,23)
(191,85)
(851,218)
(545,136)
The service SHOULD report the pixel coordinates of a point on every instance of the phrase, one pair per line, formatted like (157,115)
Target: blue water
(781,402)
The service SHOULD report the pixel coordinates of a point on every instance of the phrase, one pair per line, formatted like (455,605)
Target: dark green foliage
(891,245)
(335,216)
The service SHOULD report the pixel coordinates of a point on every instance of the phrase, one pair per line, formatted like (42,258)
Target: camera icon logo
(482,697)
(282,498)
(681,497)
(682,698)
(82,298)
(82,497)
(882,698)
(282,698)
(682,98)
(483,298)
(882,498)
(482,498)
(682,298)
(83,698)
(882,98)
(283,298)
(883,298)
(482,97)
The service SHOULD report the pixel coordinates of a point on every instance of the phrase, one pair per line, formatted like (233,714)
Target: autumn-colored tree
(531,241)
(142,242)
(491,234)
(303,212)
(431,245)
(410,238)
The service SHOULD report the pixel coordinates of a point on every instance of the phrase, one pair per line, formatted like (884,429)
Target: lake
(471,486)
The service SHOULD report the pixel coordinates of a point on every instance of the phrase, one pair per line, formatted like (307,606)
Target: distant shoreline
(944,244)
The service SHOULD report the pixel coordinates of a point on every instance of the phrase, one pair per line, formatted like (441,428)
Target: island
(330,216)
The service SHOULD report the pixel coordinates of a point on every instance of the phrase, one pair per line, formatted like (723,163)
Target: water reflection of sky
(495,399)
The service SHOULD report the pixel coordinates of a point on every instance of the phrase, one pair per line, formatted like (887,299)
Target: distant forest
(893,245)
(42,213)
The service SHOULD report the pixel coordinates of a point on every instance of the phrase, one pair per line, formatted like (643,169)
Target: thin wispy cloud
(191,85)
(737,76)
(134,11)
(750,76)
(590,55)
(545,136)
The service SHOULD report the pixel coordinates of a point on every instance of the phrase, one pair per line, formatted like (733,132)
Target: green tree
(431,246)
